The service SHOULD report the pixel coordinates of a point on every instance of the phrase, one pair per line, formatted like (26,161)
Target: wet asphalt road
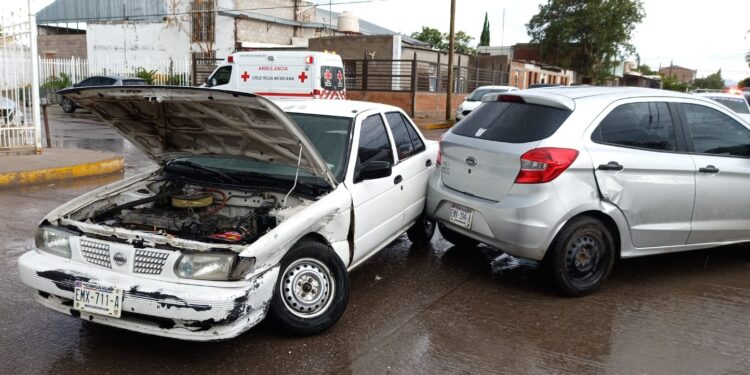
(437,310)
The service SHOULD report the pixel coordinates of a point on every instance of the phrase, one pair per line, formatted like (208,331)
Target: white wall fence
(17,128)
(73,70)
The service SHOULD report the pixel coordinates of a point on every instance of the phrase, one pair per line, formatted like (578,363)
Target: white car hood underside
(167,121)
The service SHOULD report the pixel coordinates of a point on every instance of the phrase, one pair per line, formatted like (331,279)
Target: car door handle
(428,163)
(398,179)
(708,169)
(611,166)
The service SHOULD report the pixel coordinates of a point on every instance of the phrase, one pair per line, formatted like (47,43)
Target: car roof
(338,108)
(121,77)
(567,96)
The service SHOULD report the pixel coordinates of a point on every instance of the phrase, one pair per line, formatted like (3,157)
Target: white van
(282,74)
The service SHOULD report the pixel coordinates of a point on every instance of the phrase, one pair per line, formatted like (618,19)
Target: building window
(204,20)
(432,77)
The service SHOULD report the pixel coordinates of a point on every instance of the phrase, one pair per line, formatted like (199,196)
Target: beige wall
(523,74)
(354,47)
(62,46)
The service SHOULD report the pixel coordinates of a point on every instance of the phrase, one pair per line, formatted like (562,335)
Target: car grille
(96,253)
(149,262)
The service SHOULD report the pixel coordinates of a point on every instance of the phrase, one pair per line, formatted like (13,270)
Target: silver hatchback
(579,176)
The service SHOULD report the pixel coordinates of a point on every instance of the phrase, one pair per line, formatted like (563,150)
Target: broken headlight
(53,240)
(213,266)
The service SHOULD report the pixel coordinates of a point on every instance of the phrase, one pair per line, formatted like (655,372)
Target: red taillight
(542,165)
(439,159)
(510,99)
(309,59)
(230,59)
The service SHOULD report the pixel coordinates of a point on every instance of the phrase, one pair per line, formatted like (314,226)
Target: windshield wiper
(195,166)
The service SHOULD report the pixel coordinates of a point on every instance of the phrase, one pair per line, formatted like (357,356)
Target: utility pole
(36,118)
(451,47)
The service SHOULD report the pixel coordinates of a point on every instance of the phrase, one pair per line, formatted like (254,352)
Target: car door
(720,148)
(640,166)
(378,216)
(412,167)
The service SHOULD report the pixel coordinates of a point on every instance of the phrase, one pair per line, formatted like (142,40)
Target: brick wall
(62,46)
(430,106)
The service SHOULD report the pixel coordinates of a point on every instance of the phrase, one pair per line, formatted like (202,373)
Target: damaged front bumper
(156,307)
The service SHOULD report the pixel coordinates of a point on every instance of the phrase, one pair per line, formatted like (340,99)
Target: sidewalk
(56,164)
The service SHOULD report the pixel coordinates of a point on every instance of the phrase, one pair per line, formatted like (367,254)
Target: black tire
(422,231)
(310,265)
(67,105)
(582,256)
(456,238)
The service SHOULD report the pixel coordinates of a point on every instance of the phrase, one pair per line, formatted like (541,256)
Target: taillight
(230,59)
(542,165)
(439,159)
(309,59)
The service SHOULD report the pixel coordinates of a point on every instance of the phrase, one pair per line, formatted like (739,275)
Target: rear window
(511,122)
(738,105)
(133,82)
(332,78)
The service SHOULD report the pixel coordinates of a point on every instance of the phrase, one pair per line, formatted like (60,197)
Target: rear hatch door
(481,155)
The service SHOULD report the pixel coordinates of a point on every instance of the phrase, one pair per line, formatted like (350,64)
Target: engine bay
(198,213)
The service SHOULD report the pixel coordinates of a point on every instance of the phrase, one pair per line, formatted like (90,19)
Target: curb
(40,176)
(439,125)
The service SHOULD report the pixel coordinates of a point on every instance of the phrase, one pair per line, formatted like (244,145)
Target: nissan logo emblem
(470,161)
(120,259)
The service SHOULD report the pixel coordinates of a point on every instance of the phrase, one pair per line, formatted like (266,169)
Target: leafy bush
(58,82)
(147,75)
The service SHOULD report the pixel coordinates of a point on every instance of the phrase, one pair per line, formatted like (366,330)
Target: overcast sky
(702,35)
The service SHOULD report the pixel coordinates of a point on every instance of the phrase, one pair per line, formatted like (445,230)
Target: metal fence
(17,128)
(415,75)
(160,72)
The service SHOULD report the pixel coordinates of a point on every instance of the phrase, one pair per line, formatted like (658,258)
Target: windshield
(738,105)
(477,95)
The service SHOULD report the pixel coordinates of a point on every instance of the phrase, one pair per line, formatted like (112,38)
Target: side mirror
(373,170)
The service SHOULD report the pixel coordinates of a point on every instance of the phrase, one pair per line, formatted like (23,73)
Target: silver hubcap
(307,288)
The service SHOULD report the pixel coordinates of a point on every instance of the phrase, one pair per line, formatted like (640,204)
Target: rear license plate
(97,299)
(461,216)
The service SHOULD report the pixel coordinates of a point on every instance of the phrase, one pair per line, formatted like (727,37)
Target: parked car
(735,102)
(254,210)
(577,177)
(9,111)
(475,99)
(70,106)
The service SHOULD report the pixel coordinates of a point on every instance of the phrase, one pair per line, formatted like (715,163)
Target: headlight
(53,240)
(213,266)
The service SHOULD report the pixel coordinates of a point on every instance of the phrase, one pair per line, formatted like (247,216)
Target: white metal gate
(19,130)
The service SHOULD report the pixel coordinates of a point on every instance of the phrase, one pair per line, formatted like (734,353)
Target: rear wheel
(67,105)
(422,231)
(582,256)
(312,290)
(456,238)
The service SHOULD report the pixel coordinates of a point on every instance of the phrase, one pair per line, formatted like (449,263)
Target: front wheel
(68,106)
(312,291)
(582,256)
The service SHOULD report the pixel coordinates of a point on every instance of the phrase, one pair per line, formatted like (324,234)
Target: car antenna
(296,175)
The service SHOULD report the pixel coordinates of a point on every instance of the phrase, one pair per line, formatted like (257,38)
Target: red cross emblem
(302,77)
(328,76)
(245,76)
(340,76)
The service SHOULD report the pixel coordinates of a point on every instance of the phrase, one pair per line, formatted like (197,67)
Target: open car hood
(165,122)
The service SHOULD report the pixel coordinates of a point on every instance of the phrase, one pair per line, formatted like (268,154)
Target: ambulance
(282,74)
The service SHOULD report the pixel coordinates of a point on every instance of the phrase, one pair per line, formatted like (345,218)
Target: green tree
(463,41)
(646,70)
(671,83)
(744,83)
(712,81)
(484,39)
(433,37)
(591,34)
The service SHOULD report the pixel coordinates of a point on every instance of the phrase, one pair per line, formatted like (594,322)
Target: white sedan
(736,102)
(254,210)
(475,99)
